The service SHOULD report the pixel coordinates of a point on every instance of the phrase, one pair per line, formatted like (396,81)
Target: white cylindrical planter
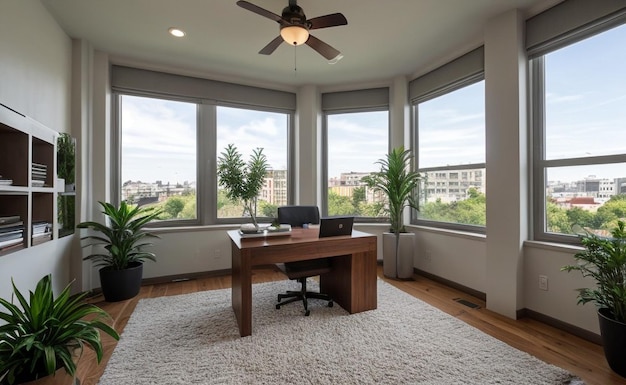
(404,268)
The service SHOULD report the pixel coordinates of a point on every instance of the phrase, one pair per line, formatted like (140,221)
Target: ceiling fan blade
(271,47)
(322,48)
(260,11)
(332,20)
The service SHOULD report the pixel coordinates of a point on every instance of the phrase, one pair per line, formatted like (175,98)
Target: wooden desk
(351,283)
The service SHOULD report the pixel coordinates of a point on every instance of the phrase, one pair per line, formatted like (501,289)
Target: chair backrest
(297,216)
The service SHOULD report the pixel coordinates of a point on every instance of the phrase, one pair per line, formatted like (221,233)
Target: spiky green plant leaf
(604,260)
(123,239)
(39,338)
(398,182)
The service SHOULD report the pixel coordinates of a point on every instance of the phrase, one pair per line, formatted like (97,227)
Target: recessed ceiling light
(176,32)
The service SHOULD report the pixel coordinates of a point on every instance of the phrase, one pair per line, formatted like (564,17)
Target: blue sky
(452,128)
(159,140)
(586,104)
(356,141)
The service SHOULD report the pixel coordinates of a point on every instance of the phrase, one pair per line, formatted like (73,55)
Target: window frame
(206,155)
(540,165)
(455,86)
(290,159)
(324,173)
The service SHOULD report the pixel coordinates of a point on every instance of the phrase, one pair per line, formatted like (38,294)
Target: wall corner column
(399,117)
(507,161)
(307,151)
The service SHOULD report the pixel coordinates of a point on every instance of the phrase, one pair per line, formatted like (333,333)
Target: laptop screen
(334,226)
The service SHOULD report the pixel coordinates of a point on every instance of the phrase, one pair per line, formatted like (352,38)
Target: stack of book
(42,231)
(5,181)
(39,173)
(11,233)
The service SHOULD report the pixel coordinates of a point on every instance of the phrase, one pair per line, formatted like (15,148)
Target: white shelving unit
(24,142)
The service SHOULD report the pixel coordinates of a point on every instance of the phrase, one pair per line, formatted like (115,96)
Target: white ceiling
(383,39)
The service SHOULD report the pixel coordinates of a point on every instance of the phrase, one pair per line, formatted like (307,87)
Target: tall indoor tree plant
(604,260)
(242,181)
(43,337)
(123,239)
(398,183)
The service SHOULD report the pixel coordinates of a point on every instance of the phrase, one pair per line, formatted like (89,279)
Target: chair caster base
(307,313)
(330,304)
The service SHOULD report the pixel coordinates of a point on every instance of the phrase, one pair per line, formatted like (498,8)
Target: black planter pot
(118,285)
(613,341)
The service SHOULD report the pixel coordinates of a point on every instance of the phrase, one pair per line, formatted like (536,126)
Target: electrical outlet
(428,256)
(543,282)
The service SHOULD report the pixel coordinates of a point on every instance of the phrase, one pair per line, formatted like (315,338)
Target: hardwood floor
(583,358)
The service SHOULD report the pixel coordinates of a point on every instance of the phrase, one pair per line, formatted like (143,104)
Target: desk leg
(352,281)
(242,290)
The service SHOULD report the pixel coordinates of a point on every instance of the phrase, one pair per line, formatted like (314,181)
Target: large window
(451,156)
(169,149)
(355,142)
(249,129)
(158,155)
(580,128)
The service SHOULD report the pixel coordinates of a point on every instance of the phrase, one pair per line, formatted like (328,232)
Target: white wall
(457,257)
(559,301)
(35,66)
(35,79)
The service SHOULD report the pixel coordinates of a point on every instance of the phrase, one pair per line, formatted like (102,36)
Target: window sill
(553,246)
(196,228)
(454,233)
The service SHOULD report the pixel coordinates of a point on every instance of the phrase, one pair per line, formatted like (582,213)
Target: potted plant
(604,260)
(240,180)
(43,337)
(123,240)
(397,182)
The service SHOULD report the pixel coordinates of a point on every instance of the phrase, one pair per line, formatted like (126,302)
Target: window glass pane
(158,155)
(585,98)
(593,197)
(455,196)
(451,133)
(356,141)
(452,128)
(247,130)
(585,95)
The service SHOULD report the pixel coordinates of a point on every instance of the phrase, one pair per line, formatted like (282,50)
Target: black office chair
(297,216)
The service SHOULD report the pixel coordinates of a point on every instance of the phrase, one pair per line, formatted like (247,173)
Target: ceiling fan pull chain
(295,62)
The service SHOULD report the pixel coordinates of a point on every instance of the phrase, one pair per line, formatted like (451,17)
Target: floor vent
(181,279)
(467,303)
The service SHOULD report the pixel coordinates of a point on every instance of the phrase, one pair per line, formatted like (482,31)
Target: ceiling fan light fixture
(294,34)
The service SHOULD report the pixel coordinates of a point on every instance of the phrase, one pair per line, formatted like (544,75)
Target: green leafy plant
(44,335)
(242,181)
(398,183)
(396,180)
(604,260)
(124,238)
(66,148)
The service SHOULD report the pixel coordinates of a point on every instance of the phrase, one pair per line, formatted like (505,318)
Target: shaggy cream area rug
(194,339)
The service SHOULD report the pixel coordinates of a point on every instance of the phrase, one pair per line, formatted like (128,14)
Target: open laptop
(334,226)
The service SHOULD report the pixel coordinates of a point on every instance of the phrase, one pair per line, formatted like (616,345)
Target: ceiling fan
(294,28)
